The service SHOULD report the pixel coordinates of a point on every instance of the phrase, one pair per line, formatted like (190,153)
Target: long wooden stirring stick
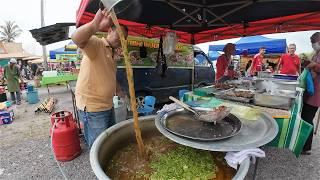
(124,43)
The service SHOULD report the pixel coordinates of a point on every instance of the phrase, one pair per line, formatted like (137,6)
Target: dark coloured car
(151,81)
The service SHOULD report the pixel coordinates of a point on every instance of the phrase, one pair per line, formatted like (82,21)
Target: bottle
(115,101)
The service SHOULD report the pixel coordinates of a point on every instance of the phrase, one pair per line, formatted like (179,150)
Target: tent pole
(193,71)
(44,50)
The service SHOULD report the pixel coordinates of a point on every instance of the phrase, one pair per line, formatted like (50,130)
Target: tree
(9,31)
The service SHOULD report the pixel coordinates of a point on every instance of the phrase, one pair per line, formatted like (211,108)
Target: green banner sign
(138,46)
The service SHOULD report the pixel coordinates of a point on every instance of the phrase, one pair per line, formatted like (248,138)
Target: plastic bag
(302,79)
(169,43)
(309,83)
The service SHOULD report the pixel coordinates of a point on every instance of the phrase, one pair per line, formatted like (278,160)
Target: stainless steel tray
(184,124)
(252,134)
(273,101)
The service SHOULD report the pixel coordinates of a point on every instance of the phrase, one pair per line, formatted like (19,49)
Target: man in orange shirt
(96,84)
(290,63)
(257,62)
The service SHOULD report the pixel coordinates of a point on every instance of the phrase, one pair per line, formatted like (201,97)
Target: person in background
(290,62)
(73,65)
(304,61)
(247,70)
(33,67)
(96,83)
(12,76)
(257,62)
(312,103)
(224,68)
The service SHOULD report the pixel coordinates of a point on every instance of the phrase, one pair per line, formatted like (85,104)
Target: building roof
(12,50)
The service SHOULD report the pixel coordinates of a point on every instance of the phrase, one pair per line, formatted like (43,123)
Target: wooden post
(129,71)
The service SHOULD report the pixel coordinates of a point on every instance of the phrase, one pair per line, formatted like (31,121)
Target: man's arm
(81,36)
(279,66)
(299,67)
(314,66)
(101,21)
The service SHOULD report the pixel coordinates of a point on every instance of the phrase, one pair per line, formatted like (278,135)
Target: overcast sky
(26,13)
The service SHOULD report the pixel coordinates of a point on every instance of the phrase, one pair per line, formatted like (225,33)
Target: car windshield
(201,60)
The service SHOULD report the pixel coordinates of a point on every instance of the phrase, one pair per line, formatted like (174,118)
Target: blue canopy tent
(62,50)
(252,44)
(213,55)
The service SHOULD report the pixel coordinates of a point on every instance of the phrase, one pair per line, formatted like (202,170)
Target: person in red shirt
(257,62)
(290,63)
(224,70)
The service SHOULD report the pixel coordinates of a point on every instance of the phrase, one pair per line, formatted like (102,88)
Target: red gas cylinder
(65,137)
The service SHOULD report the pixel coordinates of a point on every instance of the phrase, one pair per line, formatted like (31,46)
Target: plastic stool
(181,94)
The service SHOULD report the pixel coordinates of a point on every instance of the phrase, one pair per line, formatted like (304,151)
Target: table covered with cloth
(293,131)
(58,79)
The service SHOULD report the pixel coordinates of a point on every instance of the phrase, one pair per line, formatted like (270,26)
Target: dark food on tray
(224,86)
(244,94)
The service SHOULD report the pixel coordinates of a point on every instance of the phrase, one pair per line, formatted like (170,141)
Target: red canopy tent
(238,18)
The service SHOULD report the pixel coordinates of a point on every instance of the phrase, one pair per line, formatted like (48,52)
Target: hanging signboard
(66,57)
(143,53)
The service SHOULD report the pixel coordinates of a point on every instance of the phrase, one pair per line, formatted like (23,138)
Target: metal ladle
(185,106)
(205,116)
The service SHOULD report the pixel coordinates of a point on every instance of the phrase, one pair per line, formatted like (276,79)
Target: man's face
(114,39)
(292,50)
(262,51)
(232,50)
(315,40)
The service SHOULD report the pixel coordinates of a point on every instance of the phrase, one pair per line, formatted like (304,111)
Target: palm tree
(9,31)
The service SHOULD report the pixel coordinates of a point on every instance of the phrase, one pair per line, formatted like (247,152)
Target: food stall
(248,46)
(249,97)
(64,64)
(191,27)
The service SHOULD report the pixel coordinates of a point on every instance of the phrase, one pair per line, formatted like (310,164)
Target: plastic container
(120,112)
(30,88)
(32,97)
(3,97)
(115,101)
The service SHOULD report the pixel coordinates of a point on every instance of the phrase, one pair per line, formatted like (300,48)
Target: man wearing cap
(12,76)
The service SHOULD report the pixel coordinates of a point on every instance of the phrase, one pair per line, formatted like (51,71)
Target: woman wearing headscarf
(12,76)
(312,103)
(224,68)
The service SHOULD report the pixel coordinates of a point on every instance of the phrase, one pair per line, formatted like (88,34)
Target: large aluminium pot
(120,135)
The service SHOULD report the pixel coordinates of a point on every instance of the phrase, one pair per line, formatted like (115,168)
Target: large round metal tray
(184,124)
(252,134)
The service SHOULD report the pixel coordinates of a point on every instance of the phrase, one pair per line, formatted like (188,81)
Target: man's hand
(102,20)
(311,65)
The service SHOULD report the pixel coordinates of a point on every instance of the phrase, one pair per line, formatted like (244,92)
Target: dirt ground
(29,125)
